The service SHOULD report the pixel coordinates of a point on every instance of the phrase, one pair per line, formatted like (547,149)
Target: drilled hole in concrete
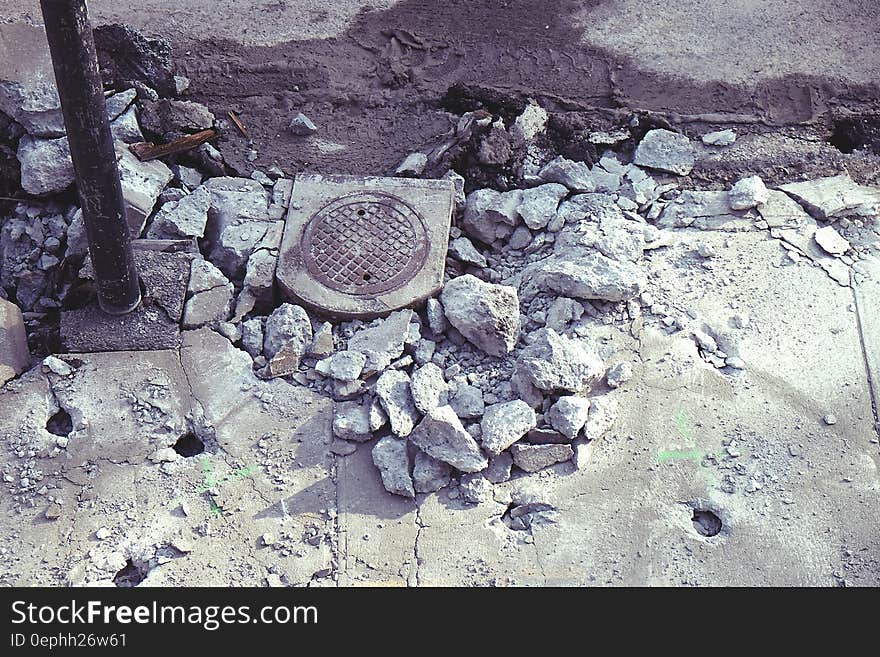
(130,575)
(189,445)
(855,133)
(706,522)
(60,424)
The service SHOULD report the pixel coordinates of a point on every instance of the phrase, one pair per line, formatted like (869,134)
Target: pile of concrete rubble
(500,372)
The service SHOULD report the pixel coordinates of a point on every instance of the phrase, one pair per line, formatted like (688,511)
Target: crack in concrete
(871,383)
(417,520)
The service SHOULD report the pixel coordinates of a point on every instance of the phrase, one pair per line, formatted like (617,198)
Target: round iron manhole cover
(365,243)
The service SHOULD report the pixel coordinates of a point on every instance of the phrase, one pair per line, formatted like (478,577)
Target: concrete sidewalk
(798,498)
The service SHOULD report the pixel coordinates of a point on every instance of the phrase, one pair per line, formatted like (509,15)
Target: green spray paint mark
(212,483)
(681,420)
(667,455)
(682,423)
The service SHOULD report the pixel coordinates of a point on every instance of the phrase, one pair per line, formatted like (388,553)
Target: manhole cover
(363,247)
(365,243)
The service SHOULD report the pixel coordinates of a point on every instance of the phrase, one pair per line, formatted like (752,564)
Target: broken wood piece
(238,124)
(146,151)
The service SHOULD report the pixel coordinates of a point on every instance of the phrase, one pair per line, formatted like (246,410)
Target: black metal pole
(72,46)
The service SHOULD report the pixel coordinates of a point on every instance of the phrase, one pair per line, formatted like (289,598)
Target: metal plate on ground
(363,247)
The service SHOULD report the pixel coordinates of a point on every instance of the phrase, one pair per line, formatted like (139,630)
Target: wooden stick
(146,151)
(238,124)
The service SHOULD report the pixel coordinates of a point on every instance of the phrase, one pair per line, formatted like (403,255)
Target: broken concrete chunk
(532,458)
(384,342)
(441,435)
(351,421)
(782,211)
(719,138)
(467,401)
(619,374)
(485,313)
(490,215)
(259,282)
(142,182)
(288,324)
(392,459)
(831,241)
(210,296)
(569,415)
(585,276)
(504,424)
(575,176)
(539,204)
(748,193)
(14,355)
(666,151)
(27,80)
(182,219)
(302,125)
(436,317)
(430,474)
(393,389)
(429,389)
(475,488)
(322,343)
(556,362)
(499,468)
(603,414)
(252,336)
(531,123)
(342,366)
(834,197)
(126,128)
(463,250)
(562,312)
(706,210)
(413,165)
(167,119)
(46,167)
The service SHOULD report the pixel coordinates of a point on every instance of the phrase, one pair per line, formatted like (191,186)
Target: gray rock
(490,215)
(834,197)
(351,421)
(27,80)
(467,401)
(458,181)
(252,337)
(46,167)
(236,244)
(831,241)
(442,436)
(287,324)
(603,414)
(666,151)
(504,424)
(585,276)
(520,238)
(342,366)
(392,459)
(429,389)
(182,219)
(748,193)
(142,182)
(118,103)
(562,312)
(126,128)
(322,343)
(619,374)
(259,281)
(168,119)
(545,436)
(475,488)
(209,296)
(706,210)
(532,458)
(539,204)
(719,138)
(436,317)
(238,221)
(555,362)
(424,352)
(393,389)
(413,165)
(463,250)
(383,343)
(522,386)
(14,355)
(430,474)
(187,176)
(302,125)
(573,175)
(499,468)
(484,313)
(569,415)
